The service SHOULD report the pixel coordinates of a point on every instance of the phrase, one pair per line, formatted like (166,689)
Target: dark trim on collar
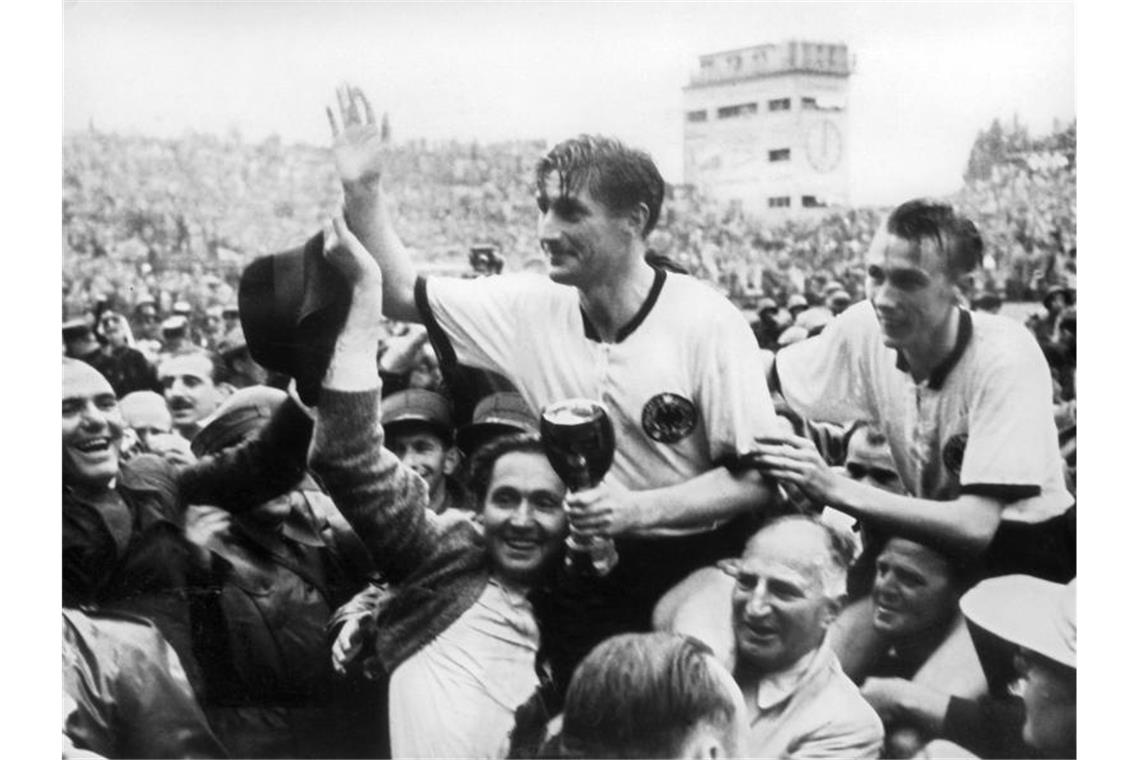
(939,374)
(628,328)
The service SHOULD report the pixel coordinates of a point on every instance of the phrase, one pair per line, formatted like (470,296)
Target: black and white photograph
(567,380)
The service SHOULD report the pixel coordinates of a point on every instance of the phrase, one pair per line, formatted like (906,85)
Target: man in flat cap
(419,430)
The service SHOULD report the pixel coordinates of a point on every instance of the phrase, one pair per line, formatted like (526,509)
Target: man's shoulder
(1000,344)
(853,334)
(834,698)
(124,630)
(697,303)
(841,712)
(686,286)
(147,472)
(523,283)
(1001,332)
(859,318)
(851,706)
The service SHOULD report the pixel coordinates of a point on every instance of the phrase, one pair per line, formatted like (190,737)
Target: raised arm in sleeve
(383,501)
(262,468)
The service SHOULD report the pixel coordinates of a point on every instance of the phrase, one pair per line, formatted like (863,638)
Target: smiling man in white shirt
(781,597)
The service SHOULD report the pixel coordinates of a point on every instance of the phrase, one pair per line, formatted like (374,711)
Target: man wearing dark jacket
(272,576)
(123,545)
(125,693)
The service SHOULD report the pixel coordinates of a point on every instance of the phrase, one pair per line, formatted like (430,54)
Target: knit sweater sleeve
(383,501)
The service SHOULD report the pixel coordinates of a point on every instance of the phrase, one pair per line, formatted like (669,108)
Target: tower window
(733,112)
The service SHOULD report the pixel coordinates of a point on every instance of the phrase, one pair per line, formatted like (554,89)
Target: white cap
(177,322)
(1027,611)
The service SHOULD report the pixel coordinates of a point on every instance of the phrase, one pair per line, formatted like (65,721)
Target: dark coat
(271,690)
(124,548)
(123,693)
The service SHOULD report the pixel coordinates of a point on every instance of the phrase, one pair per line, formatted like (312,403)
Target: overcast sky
(928,75)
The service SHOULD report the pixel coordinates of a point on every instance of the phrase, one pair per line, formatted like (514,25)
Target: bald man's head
(92,427)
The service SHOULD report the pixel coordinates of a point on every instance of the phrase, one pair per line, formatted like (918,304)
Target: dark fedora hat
(292,307)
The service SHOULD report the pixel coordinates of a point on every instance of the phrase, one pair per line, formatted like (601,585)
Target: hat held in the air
(292,306)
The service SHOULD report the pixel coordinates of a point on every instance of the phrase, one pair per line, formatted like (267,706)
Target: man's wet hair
(641,695)
(483,462)
(957,238)
(220,370)
(619,177)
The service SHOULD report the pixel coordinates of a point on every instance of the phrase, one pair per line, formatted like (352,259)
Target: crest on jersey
(954,452)
(667,417)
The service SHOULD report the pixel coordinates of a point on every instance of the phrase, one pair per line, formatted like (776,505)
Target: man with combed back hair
(651,695)
(964,399)
(673,361)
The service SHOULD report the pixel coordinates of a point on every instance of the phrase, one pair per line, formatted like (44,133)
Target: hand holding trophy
(579,440)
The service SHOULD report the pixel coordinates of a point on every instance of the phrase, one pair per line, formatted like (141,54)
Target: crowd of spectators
(375,573)
(176,219)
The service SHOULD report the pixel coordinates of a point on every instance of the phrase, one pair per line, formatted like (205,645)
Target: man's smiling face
(780,610)
(92,427)
(584,241)
(523,518)
(910,288)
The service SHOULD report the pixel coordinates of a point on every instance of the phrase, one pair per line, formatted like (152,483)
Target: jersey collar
(939,374)
(628,328)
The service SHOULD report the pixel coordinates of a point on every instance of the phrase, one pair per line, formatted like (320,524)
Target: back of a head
(957,238)
(644,695)
(145,409)
(617,176)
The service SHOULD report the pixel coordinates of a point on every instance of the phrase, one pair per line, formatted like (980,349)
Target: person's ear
(833,607)
(964,286)
(639,218)
(451,460)
(702,744)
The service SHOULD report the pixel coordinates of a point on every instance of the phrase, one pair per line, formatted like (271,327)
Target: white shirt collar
(777,687)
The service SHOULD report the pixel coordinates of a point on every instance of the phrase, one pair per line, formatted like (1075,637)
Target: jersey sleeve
(476,322)
(821,377)
(1012,451)
(736,404)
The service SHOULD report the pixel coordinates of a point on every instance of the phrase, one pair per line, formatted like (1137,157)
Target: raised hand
(357,145)
(344,251)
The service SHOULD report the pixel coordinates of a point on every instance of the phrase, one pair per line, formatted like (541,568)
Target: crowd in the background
(176,219)
(263,558)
